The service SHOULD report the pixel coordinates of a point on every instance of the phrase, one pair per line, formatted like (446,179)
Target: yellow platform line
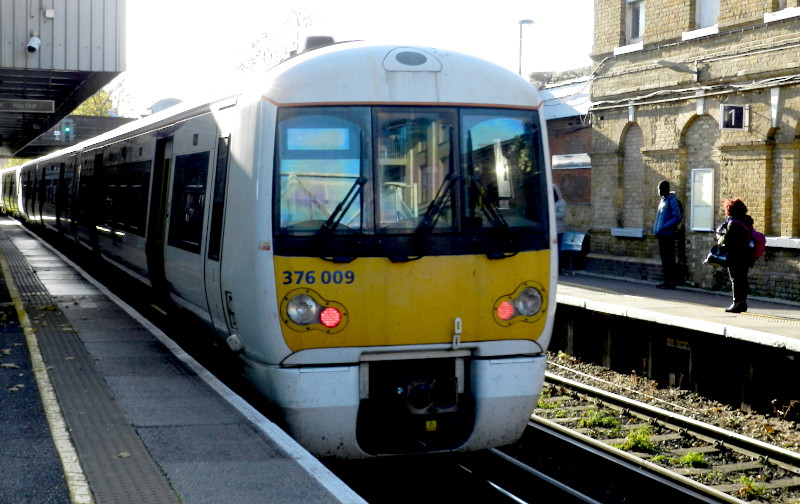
(77,484)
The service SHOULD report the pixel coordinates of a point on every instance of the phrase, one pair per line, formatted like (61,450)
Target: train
(370,228)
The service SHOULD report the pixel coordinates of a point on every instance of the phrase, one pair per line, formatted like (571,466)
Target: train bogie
(371,233)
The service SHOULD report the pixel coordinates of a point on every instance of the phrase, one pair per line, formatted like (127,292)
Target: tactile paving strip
(116,463)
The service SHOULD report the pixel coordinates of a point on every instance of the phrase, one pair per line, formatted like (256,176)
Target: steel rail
(767,451)
(544,477)
(666,477)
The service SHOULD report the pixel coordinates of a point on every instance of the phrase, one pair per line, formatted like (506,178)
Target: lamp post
(522,22)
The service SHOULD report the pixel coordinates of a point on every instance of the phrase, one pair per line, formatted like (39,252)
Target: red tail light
(330,317)
(505,311)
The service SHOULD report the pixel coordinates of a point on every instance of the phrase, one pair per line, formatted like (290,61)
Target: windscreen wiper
(488,208)
(435,208)
(341,209)
(335,218)
(494,216)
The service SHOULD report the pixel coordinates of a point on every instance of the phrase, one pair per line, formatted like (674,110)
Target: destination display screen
(318,139)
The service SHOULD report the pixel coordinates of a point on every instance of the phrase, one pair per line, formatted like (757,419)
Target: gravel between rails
(774,428)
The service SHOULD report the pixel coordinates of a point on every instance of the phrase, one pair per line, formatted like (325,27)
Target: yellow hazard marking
(76,480)
(430,425)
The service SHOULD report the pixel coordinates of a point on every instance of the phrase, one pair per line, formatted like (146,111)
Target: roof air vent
(408,59)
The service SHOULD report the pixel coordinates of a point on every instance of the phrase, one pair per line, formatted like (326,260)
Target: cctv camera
(33,44)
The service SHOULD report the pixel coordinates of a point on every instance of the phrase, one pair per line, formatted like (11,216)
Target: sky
(191,50)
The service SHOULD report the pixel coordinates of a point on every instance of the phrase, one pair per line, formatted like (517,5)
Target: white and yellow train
(371,231)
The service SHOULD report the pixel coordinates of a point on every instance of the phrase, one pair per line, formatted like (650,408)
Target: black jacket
(734,239)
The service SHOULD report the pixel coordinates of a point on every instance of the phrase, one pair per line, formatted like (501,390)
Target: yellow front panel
(415,302)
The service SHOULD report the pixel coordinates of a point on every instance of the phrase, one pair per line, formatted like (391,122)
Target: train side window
(218,203)
(125,203)
(188,202)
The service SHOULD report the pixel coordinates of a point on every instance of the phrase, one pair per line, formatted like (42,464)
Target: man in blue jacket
(665,228)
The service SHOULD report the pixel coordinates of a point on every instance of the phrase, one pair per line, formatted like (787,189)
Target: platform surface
(770,322)
(98,405)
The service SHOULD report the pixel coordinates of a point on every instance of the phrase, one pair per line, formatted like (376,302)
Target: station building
(704,94)
(54,54)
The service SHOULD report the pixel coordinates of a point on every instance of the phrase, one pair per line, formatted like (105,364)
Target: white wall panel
(84,35)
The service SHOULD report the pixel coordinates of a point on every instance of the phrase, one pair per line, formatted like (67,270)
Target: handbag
(717,258)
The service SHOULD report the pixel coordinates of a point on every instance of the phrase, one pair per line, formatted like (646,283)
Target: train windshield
(502,159)
(414,170)
(321,157)
(408,180)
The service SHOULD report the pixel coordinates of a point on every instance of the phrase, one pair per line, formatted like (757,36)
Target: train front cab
(431,238)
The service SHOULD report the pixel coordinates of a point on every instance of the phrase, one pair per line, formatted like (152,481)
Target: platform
(98,405)
(770,322)
(106,409)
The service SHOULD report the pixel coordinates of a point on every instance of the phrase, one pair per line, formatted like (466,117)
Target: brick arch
(700,149)
(788,224)
(631,183)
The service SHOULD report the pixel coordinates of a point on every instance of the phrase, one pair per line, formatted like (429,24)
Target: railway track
(722,464)
(524,472)
(549,464)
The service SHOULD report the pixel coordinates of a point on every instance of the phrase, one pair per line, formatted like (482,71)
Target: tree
(12,161)
(276,45)
(104,102)
(99,104)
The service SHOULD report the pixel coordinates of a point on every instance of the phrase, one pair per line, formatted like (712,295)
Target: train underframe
(388,407)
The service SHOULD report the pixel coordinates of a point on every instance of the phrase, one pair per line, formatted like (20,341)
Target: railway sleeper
(777,483)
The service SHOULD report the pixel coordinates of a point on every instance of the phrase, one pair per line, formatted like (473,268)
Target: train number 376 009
(324,277)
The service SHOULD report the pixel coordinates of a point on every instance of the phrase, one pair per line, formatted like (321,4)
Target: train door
(214,294)
(61,197)
(29,189)
(183,259)
(67,187)
(159,197)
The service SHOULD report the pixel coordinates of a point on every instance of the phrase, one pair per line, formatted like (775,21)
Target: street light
(522,22)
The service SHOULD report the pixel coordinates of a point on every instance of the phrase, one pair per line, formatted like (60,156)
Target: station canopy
(53,56)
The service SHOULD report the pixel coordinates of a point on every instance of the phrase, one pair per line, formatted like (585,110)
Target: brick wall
(667,20)
(651,122)
(609,25)
(570,135)
(736,12)
(573,135)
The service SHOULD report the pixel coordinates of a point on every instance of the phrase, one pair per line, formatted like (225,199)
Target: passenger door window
(188,201)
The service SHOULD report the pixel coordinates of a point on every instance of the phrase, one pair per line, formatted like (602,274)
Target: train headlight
(305,310)
(526,304)
(302,309)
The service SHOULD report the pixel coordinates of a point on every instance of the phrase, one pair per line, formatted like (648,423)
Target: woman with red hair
(734,241)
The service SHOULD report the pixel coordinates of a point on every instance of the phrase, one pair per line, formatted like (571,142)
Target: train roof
(358,72)
(165,117)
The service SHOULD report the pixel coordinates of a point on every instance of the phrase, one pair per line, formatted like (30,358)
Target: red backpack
(758,242)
